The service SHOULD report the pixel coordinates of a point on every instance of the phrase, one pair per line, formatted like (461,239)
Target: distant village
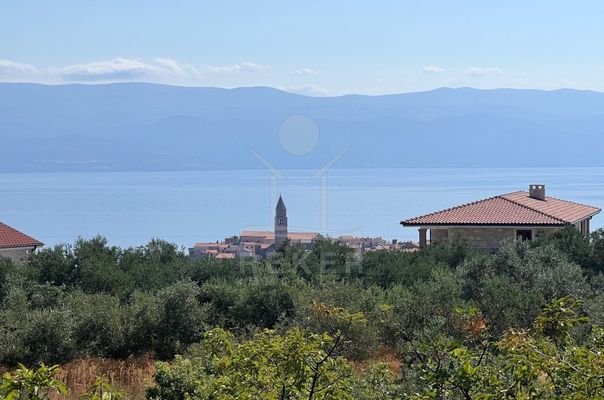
(261,244)
(483,224)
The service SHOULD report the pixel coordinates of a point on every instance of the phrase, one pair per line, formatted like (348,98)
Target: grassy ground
(132,375)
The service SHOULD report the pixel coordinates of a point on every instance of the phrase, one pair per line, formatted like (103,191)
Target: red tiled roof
(258,234)
(509,209)
(567,211)
(225,256)
(267,235)
(10,237)
(303,236)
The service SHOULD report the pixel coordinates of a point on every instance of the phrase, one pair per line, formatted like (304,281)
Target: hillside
(141,127)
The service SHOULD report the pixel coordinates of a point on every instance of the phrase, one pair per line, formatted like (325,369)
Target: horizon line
(284,90)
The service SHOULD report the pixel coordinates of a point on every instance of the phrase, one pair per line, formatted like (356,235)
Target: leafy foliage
(293,365)
(543,363)
(31,384)
(463,324)
(103,390)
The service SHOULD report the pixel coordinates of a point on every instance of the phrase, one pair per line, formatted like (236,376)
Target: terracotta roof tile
(226,256)
(267,235)
(258,234)
(509,209)
(10,237)
(304,236)
(567,211)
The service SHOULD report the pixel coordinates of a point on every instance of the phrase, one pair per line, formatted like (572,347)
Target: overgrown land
(442,323)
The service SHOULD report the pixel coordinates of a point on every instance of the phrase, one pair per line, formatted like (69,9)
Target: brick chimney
(537,192)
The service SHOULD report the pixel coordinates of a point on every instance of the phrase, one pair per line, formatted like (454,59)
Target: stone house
(16,245)
(485,224)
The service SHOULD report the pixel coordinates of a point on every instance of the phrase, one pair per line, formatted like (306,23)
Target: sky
(320,48)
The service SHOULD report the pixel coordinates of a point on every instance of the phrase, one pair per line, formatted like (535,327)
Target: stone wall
(489,239)
(543,231)
(17,255)
(439,235)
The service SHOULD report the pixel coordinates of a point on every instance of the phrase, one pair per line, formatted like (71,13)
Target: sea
(131,208)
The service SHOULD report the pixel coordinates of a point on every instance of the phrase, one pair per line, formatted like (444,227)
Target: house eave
(480,225)
(22,246)
(590,216)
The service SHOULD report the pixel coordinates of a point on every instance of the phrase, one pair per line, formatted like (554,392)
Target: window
(280,221)
(524,234)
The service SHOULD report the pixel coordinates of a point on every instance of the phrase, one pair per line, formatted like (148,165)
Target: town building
(486,224)
(261,244)
(256,244)
(362,245)
(16,245)
(280,223)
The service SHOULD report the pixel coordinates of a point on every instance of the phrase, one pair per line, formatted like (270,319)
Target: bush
(46,337)
(389,268)
(32,384)
(181,318)
(544,363)
(507,304)
(412,313)
(570,242)
(143,315)
(57,266)
(597,251)
(261,302)
(112,302)
(153,266)
(99,325)
(511,286)
(294,365)
(6,269)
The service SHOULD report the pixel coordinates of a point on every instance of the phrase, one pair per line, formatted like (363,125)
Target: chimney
(537,192)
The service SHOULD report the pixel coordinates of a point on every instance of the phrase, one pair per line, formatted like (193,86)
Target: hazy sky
(326,47)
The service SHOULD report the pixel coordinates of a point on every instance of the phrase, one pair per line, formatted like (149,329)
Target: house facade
(486,224)
(16,245)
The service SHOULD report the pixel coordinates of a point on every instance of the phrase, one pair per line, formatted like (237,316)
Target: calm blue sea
(129,208)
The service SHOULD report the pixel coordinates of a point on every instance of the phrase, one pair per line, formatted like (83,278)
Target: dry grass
(132,375)
(383,355)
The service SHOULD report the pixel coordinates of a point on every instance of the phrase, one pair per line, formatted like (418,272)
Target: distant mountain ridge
(139,126)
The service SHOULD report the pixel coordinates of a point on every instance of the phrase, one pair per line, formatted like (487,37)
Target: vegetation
(443,323)
(35,384)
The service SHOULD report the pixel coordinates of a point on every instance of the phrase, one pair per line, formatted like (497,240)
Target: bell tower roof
(280,210)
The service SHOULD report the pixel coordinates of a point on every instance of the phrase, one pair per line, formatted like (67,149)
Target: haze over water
(129,208)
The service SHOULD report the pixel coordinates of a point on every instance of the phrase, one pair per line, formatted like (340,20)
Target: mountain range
(150,127)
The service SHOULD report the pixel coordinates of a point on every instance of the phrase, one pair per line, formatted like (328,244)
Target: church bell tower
(280,223)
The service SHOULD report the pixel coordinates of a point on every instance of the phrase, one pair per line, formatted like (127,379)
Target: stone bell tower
(280,223)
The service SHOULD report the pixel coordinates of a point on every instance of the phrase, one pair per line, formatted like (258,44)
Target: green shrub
(47,336)
(31,384)
(181,318)
(294,365)
(142,319)
(99,325)
(262,302)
